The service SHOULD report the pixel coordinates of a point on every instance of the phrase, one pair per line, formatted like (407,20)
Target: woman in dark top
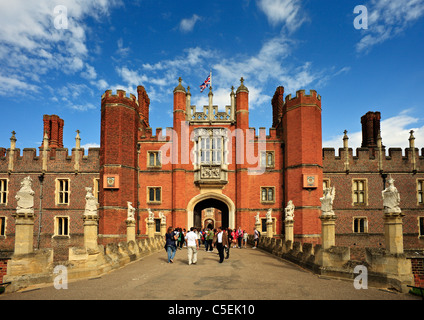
(171,248)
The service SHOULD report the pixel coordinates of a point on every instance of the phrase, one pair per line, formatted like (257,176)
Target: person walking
(221,242)
(209,239)
(192,246)
(239,237)
(255,238)
(245,236)
(171,248)
(229,234)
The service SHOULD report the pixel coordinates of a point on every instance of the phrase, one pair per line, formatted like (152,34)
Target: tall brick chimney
(370,129)
(53,125)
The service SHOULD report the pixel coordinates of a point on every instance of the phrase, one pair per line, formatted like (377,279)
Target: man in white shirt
(192,246)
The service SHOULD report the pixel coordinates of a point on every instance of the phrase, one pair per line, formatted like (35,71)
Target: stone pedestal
(393,233)
(163,229)
(90,232)
(328,233)
(289,230)
(24,231)
(151,229)
(130,230)
(269,229)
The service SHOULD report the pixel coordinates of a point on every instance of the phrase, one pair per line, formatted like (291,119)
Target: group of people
(219,238)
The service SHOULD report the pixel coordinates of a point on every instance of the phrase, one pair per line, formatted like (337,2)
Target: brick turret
(303,162)
(120,118)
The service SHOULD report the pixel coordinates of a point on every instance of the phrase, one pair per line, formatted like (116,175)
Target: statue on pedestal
(25,197)
(151,217)
(289,210)
(257,220)
(391,198)
(327,201)
(131,212)
(91,203)
(162,217)
(268,215)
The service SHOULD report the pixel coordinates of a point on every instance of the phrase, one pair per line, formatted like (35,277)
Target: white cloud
(395,132)
(187,25)
(387,19)
(31,46)
(286,12)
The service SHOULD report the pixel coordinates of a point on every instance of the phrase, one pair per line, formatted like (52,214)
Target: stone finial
(179,88)
(411,139)
(289,210)
(391,198)
(242,87)
(13,141)
(327,201)
(45,141)
(345,140)
(77,140)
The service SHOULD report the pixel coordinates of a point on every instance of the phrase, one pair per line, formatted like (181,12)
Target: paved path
(247,275)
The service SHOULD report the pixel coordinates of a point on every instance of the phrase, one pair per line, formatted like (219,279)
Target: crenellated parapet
(120,98)
(311,99)
(364,160)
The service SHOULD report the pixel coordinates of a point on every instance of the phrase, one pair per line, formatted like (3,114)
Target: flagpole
(210,73)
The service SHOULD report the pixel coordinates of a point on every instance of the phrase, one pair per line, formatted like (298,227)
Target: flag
(206,83)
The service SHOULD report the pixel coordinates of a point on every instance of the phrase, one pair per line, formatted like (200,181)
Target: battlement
(120,95)
(302,97)
(58,160)
(368,160)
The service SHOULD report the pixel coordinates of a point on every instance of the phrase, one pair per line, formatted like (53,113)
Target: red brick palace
(212,169)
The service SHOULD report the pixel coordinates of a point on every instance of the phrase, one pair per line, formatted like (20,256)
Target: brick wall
(418,271)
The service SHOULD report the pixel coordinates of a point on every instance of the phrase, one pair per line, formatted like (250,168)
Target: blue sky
(299,44)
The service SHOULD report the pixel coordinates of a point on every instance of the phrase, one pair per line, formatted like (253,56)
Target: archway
(210,200)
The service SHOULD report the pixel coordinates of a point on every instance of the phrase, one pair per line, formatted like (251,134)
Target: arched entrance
(210,200)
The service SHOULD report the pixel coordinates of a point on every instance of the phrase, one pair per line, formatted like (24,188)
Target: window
(267,194)
(157,225)
(267,159)
(420,191)
(421,226)
(3,191)
(2,226)
(359,192)
(62,226)
(154,159)
(210,150)
(154,194)
(360,225)
(62,191)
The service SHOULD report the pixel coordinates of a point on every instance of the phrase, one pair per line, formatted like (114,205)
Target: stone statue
(327,201)
(289,211)
(131,212)
(257,221)
(268,215)
(151,217)
(391,198)
(162,217)
(25,197)
(90,202)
